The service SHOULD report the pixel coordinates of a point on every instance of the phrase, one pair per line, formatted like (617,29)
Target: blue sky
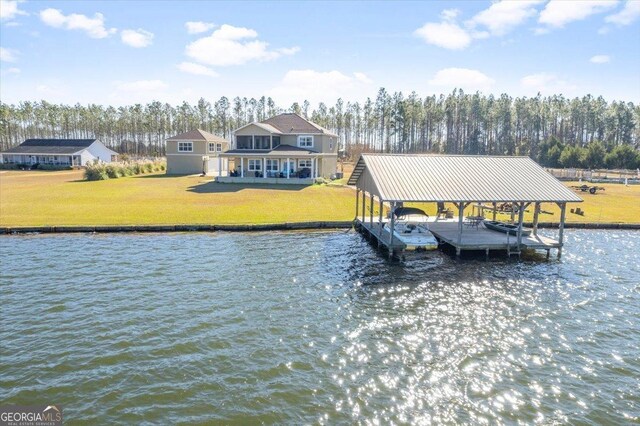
(127,52)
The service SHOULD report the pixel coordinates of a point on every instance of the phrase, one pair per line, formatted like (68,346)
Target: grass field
(39,198)
(63,198)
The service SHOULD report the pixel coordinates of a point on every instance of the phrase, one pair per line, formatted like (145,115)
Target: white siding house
(58,152)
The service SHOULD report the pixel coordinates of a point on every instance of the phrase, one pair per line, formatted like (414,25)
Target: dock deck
(473,238)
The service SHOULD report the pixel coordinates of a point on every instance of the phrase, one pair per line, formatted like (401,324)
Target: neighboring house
(283,149)
(59,152)
(197,152)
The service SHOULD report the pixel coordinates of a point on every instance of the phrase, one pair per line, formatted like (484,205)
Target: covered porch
(271,168)
(48,159)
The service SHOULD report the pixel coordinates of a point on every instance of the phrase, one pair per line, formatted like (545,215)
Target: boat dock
(472,238)
(464,182)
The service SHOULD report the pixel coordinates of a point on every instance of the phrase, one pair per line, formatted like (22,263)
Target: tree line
(554,130)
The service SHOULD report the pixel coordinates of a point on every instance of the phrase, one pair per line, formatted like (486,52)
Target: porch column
(364,201)
(271,141)
(312,169)
(563,210)
(219,165)
(536,215)
(288,168)
(317,164)
(264,167)
(241,167)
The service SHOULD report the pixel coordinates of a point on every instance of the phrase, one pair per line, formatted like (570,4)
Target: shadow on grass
(219,188)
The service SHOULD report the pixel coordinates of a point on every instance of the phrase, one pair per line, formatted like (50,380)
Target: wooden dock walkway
(472,238)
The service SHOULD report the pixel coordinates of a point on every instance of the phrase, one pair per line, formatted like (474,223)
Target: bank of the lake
(57,199)
(317,327)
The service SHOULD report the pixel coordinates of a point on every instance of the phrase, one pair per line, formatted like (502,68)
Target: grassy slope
(62,198)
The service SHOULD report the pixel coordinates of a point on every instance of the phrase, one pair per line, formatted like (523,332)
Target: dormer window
(305,141)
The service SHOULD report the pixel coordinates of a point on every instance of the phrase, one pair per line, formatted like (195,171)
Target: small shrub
(113,171)
(148,167)
(95,172)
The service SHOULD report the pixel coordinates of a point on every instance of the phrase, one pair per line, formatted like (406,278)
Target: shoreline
(254,227)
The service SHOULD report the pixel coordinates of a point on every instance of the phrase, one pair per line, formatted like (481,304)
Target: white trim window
(185,146)
(215,147)
(219,147)
(305,141)
(273,165)
(255,165)
(306,163)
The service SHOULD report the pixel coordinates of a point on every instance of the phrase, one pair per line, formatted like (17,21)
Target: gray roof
(457,178)
(198,135)
(50,146)
(291,123)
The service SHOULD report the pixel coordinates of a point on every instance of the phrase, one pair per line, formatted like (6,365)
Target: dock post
(380,223)
(461,207)
(393,222)
(563,210)
(521,207)
(357,201)
(486,255)
(495,208)
(364,201)
(371,212)
(536,216)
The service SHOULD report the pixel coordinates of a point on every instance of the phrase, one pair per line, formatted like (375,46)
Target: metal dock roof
(457,178)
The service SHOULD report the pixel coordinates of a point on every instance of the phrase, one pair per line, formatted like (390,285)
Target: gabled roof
(197,135)
(50,146)
(292,123)
(457,178)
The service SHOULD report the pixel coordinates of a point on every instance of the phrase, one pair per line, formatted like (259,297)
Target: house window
(244,142)
(276,141)
(255,165)
(262,142)
(215,147)
(304,163)
(272,165)
(185,146)
(305,141)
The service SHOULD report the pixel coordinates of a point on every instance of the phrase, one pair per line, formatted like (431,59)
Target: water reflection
(318,327)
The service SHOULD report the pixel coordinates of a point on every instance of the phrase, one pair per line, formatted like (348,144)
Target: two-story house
(282,149)
(196,152)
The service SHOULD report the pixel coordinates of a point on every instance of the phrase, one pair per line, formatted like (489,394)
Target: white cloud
(229,45)
(449,14)
(546,83)
(444,34)
(558,13)
(197,27)
(629,13)
(141,85)
(9,9)
(318,86)
(501,17)
(462,78)
(136,38)
(197,69)
(8,55)
(12,70)
(94,27)
(600,59)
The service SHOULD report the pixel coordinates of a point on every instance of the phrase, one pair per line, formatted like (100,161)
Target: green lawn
(38,198)
(63,198)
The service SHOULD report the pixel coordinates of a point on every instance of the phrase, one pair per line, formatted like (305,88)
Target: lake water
(317,327)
